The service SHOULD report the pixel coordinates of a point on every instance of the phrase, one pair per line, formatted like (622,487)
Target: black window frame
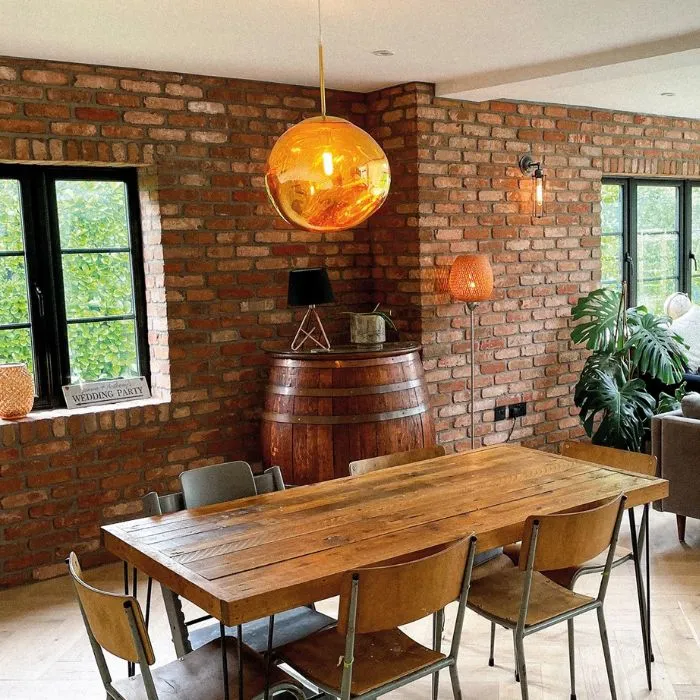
(44,270)
(687,257)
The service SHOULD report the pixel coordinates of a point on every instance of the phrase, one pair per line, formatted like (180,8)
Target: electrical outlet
(500,412)
(515,410)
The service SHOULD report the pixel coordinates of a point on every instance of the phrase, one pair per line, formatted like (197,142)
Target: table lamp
(471,281)
(310,287)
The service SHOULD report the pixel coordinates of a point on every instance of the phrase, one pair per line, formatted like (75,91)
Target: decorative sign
(110,391)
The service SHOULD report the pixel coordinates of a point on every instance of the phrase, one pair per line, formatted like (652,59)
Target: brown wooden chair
(366,655)
(631,462)
(115,622)
(373,464)
(526,601)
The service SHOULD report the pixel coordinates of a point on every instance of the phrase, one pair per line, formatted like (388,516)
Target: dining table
(254,557)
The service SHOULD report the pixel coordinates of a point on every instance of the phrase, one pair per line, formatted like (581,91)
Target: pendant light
(326,174)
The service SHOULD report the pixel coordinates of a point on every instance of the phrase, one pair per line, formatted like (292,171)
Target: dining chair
(372,464)
(632,462)
(229,481)
(217,483)
(525,600)
(115,623)
(366,654)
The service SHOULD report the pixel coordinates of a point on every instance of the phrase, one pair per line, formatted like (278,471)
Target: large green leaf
(654,349)
(602,309)
(613,408)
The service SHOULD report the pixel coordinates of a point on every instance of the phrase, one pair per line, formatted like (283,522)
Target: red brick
(45,77)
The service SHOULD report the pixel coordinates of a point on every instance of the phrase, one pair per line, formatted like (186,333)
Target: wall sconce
(533,168)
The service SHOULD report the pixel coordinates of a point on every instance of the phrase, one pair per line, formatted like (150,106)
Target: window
(71,276)
(649,230)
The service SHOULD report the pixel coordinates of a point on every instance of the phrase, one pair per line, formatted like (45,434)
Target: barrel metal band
(348,391)
(344,420)
(349,363)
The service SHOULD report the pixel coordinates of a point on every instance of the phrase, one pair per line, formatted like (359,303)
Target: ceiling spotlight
(668,94)
(383,52)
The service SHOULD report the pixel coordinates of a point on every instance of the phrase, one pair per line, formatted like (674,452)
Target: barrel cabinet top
(348,352)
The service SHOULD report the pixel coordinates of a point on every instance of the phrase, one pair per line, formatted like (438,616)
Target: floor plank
(44,651)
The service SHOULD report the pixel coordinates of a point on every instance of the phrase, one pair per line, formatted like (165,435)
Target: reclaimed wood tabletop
(257,556)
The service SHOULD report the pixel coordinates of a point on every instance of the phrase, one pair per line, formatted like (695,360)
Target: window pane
(102,350)
(97,284)
(653,294)
(611,239)
(611,211)
(695,244)
(658,244)
(16,346)
(92,214)
(10,216)
(13,290)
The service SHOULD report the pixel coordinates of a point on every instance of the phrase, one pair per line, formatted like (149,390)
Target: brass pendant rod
(321,72)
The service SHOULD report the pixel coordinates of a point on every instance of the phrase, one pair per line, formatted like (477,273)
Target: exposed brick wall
(471,197)
(216,261)
(217,257)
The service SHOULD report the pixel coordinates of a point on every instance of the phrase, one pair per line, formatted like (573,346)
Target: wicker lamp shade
(471,278)
(16,391)
(326,174)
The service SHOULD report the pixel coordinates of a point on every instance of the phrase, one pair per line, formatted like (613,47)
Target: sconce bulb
(539,194)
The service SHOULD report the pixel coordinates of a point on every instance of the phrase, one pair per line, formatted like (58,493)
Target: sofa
(675,442)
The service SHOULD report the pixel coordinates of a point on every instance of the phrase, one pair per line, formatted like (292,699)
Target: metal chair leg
(438,626)
(454,677)
(647,545)
(522,670)
(606,652)
(517,658)
(493,644)
(640,593)
(572,659)
(149,591)
(224,660)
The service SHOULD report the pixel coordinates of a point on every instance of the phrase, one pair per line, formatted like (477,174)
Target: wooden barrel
(325,410)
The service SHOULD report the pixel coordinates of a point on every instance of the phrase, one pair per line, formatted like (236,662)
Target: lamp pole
(471,305)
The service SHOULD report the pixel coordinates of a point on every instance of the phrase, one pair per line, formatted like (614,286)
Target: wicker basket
(16,391)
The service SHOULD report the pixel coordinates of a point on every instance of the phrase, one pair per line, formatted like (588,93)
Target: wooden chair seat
(492,566)
(197,676)
(289,626)
(565,577)
(380,657)
(499,595)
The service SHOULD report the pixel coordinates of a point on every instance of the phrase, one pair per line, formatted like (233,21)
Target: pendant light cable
(321,73)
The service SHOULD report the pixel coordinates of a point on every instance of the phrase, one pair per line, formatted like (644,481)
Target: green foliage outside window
(91,215)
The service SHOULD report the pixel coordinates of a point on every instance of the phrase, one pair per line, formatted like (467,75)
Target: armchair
(675,442)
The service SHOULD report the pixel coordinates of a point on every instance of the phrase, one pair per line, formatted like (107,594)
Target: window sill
(50,414)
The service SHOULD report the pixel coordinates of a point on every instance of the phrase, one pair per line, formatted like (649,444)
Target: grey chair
(199,489)
(217,483)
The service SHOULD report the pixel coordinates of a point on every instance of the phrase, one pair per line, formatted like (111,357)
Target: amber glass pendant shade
(471,278)
(326,174)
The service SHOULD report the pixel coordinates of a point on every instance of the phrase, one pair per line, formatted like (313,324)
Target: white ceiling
(617,54)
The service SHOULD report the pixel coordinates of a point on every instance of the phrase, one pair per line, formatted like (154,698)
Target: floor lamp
(471,281)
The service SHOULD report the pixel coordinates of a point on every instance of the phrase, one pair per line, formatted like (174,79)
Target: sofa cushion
(690,405)
(688,327)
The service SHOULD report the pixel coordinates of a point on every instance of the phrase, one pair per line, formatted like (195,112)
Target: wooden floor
(44,652)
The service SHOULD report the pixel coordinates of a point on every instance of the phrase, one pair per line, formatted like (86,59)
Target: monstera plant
(629,347)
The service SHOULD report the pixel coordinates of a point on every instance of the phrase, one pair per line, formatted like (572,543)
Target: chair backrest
(106,617)
(389,596)
(373,464)
(569,539)
(217,483)
(611,457)
(269,481)
(153,504)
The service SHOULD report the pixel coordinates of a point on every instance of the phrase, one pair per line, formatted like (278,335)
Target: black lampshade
(309,287)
